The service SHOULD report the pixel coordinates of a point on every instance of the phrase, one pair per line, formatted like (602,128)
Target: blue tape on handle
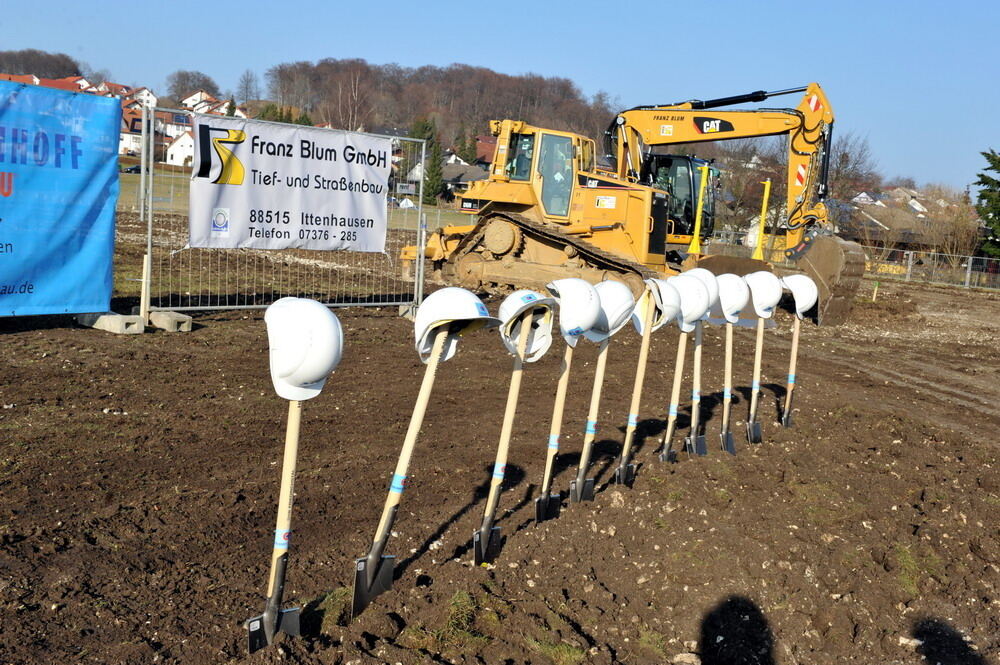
(398,484)
(498,471)
(281,538)
(591,427)
(726,393)
(554,441)
(673,411)
(791,378)
(756,386)
(695,395)
(633,420)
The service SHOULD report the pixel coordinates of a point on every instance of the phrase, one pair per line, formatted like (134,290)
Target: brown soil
(138,481)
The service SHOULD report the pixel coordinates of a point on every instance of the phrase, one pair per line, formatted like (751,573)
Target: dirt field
(139,475)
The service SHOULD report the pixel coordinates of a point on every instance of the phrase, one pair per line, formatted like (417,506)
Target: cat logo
(232,171)
(712,125)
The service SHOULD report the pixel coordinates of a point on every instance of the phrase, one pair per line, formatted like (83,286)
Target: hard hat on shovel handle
(452,306)
(305,343)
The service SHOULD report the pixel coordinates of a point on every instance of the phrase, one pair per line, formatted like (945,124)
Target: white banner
(266,186)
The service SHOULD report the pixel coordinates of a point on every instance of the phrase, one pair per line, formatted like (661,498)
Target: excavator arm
(809,127)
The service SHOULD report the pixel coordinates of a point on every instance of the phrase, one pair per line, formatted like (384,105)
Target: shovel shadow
(513,476)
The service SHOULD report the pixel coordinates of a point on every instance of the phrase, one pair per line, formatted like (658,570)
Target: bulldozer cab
(679,176)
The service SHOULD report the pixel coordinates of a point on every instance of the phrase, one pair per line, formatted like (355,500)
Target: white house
(144,96)
(180,152)
(171,125)
(130,139)
(196,98)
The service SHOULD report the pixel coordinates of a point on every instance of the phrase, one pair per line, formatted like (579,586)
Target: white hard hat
(694,300)
(540,335)
(734,294)
(579,307)
(765,292)
(616,308)
(305,343)
(663,297)
(451,306)
(804,292)
(707,278)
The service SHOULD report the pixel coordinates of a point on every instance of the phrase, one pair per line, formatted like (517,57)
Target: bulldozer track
(597,257)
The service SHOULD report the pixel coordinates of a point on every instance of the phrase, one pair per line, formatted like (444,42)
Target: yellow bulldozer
(548,210)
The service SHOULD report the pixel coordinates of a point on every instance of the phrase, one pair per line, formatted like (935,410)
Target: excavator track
(473,265)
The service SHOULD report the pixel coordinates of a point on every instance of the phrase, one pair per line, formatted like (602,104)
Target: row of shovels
(305,344)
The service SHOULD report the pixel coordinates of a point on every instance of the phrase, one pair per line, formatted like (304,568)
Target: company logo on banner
(58,188)
(261,185)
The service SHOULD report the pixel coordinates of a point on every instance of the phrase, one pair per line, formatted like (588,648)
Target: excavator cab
(679,176)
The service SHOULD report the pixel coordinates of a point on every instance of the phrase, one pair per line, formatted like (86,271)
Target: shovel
(625,473)
(786,414)
(262,629)
(753,427)
(582,489)
(728,444)
(486,540)
(695,442)
(666,443)
(373,573)
(547,505)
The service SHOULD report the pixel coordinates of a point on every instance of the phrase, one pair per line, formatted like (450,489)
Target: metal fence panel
(908,265)
(184,278)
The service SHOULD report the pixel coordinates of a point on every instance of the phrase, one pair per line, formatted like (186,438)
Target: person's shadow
(736,632)
(943,645)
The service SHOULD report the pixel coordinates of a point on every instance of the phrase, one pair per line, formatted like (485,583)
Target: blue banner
(58,189)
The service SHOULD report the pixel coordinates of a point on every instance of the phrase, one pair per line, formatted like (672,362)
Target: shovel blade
(547,507)
(696,445)
(578,493)
(488,551)
(728,443)
(287,622)
(754,433)
(786,418)
(625,475)
(364,593)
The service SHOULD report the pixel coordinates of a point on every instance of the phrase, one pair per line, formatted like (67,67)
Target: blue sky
(920,80)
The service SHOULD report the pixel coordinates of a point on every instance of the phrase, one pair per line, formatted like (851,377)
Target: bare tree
(956,231)
(248,87)
(39,63)
(183,82)
(852,167)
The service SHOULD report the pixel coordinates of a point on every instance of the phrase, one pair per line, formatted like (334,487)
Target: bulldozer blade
(836,266)
(584,493)
(365,593)
(486,552)
(547,507)
(258,635)
(728,443)
(625,475)
(754,433)
(696,445)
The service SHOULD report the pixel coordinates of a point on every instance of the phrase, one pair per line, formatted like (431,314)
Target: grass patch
(335,609)
(822,505)
(458,629)
(653,641)
(914,566)
(559,653)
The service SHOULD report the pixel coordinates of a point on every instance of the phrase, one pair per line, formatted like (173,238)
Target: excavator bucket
(836,266)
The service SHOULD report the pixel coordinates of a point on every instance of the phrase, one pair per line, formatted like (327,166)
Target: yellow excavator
(548,210)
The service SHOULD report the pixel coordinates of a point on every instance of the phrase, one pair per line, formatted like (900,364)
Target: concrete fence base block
(120,324)
(408,312)
(171,321)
